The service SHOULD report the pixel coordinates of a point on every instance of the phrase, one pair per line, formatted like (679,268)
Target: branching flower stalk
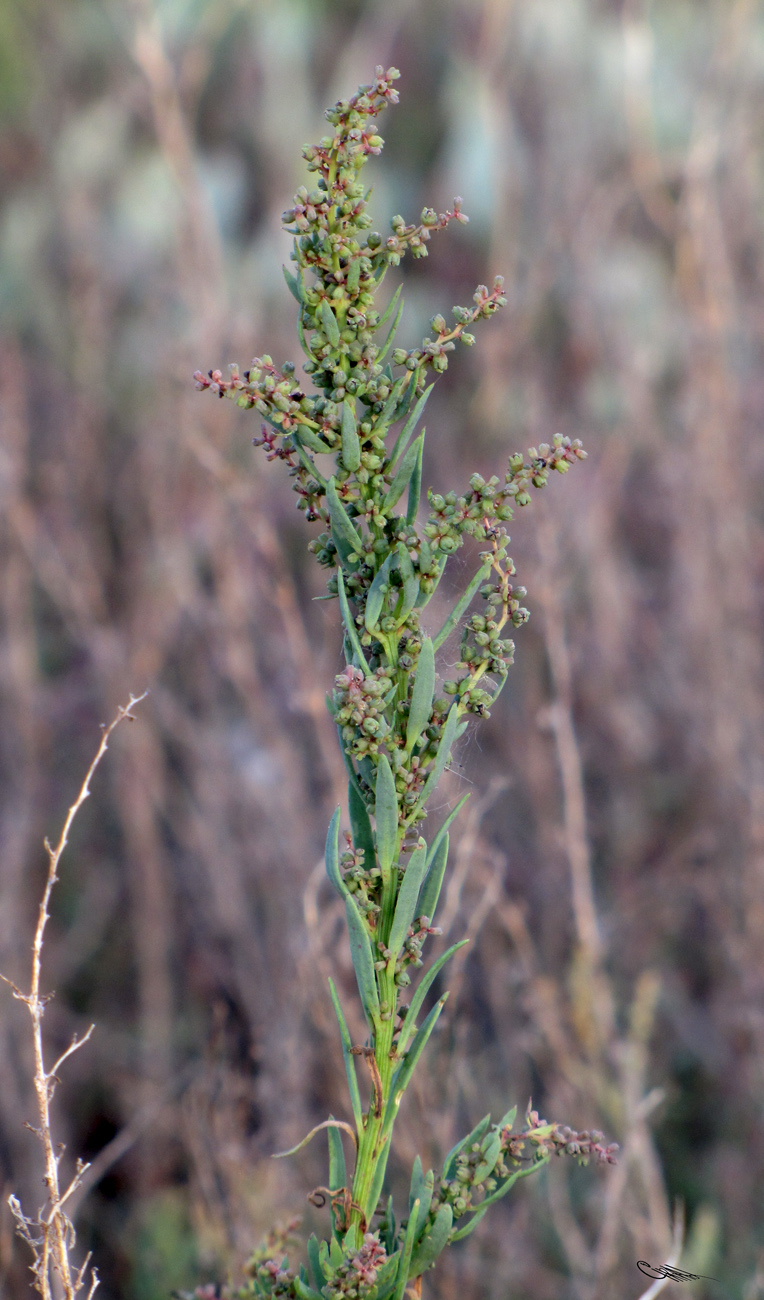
(50,1235)
(352,449)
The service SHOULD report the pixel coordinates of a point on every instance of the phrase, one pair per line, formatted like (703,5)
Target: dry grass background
(611,862)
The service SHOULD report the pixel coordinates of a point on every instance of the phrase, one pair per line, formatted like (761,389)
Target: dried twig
(50,1236)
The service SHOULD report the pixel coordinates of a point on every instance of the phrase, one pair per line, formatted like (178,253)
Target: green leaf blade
(360,823)
(442,756)
(332,855)
(408,895)
(347,1043)
(410,425)
(408,1250)
(402,476)
(433,881)
(363,962)
(421,695)
(329,322)
(351,447)
(347,539)
(386,817)
(423,988)
(432,1244)
(375,599)
(459,608)
(415,485)
(350,628)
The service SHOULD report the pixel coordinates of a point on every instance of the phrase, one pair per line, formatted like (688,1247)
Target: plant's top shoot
(354,453)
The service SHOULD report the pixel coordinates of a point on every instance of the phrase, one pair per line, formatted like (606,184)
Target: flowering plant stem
(352,449)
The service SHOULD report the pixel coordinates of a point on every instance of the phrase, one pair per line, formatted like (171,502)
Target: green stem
(372,1143)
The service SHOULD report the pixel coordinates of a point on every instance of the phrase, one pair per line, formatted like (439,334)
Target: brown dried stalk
(50,1236)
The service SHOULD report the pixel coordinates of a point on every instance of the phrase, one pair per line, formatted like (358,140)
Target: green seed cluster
(354,1278)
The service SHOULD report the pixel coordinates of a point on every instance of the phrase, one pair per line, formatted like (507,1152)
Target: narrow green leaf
(401,479)
(336,1256)
(461,605)
(347,539)
(337,1173)
(293,284)
(422,1186)
(389,1231)
(327,1123)
(477,1134)
(389,1270)
(410,590)
(404,405)
(433,882)
(332,855)
(490,1153)
(329,322)
(390,308)
(379,1178)
(349,622)
(388,414)
(363,962)
(319,1277)
(415,485)
(444,829)
(360,823)
(408,895)
(471,1225)
(386,817)
(351,447)
(353,276)
(347,1043)
(410,425)
(432,1244)
(307,460)
(409,1024)
(302,338)
(421,695)
(390,336)
(417,1181)
(352,1241)
(375,600)
(402,1076)
(408,1250)
(442,756)
(305,1292)
(508,1120)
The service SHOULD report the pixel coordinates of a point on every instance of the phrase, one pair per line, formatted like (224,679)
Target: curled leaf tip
(327,1123)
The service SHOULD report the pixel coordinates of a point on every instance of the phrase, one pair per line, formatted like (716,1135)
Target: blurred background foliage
(611,861)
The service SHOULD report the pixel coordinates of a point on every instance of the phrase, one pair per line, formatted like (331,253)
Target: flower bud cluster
(433,352)
(360,704)
(355,1277)
(560,456)
(411,952)
(484,1166)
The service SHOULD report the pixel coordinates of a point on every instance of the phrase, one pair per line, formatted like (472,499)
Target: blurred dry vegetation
(611,862)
